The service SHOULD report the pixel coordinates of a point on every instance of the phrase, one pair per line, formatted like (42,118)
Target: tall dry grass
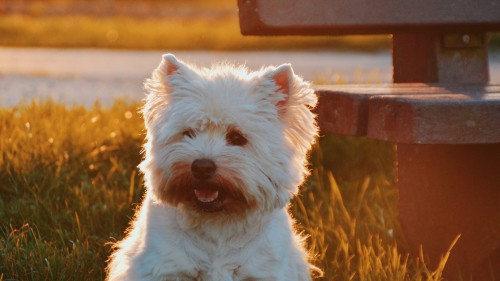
(69,184)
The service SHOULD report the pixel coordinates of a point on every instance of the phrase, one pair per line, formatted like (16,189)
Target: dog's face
(223,140)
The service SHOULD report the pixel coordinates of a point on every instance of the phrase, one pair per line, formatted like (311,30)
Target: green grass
(68,179)
(69,184)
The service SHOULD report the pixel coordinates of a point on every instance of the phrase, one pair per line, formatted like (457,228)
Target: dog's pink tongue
(205,195)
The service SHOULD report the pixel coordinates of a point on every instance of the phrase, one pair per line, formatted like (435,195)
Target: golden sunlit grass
(169,33)
(69,184)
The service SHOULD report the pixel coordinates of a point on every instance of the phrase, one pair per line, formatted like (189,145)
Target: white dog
(226,151)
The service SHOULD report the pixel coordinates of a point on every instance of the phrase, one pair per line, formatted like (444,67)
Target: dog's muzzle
(209,197)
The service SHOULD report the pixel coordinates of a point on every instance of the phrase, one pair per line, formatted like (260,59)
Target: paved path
(83,75)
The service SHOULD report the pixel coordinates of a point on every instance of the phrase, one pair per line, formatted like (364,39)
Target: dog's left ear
(282,77)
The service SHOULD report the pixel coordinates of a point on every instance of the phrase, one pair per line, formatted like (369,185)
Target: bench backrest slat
(330,17)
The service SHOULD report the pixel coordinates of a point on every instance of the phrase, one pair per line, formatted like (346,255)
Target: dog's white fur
(188,114)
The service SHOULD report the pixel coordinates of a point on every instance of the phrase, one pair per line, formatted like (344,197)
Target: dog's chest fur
(178,250)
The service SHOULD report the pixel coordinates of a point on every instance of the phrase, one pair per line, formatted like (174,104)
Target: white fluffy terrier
(226,151)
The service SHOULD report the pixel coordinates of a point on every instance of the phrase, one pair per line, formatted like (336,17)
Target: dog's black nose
(203,169)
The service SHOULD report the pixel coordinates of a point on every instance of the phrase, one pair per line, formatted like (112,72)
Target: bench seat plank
(412,113)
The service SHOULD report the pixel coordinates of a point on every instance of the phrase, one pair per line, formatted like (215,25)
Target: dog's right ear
(170,72)
(169,64)
(160,82)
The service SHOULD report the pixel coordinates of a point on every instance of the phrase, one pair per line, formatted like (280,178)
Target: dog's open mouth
(206,195)
(209,200)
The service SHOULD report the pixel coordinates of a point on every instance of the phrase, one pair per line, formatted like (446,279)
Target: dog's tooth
(206,196)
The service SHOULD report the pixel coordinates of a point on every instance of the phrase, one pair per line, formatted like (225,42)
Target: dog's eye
(236,138)
(189,133)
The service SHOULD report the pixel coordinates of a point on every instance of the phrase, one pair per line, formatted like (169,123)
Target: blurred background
(148,24)
(77,51)
(107,47)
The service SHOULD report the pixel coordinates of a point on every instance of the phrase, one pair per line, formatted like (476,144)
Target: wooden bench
(440,112)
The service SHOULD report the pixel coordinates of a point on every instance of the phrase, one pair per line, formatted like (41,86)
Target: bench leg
(440,58)
(446,190)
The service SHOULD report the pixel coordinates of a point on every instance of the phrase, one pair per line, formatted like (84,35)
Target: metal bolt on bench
(440,112)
